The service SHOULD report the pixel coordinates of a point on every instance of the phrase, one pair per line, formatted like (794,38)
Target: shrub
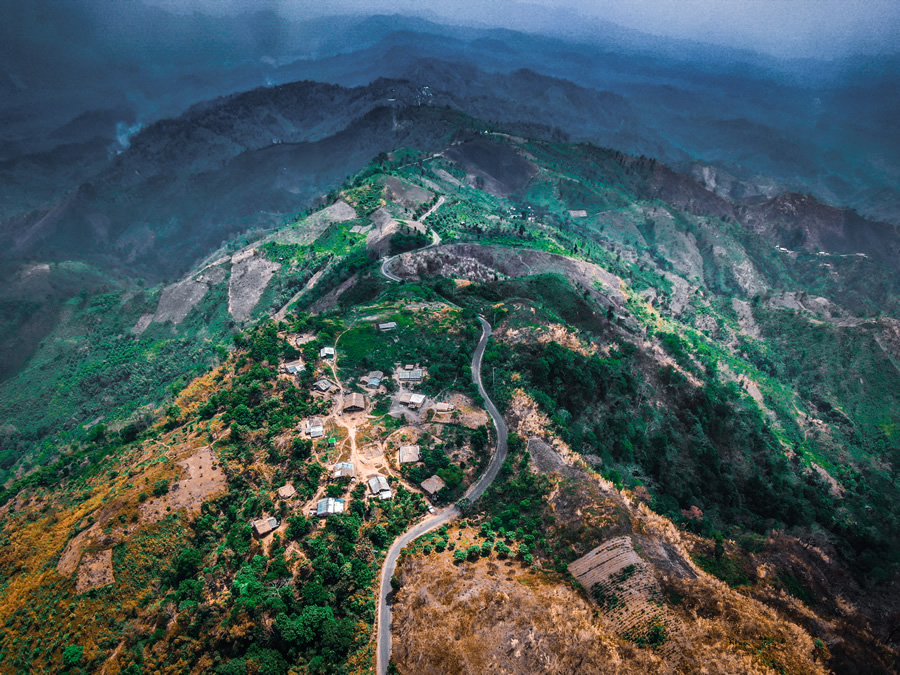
(72,655)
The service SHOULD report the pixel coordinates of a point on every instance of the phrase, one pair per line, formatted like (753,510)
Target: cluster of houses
(378,485)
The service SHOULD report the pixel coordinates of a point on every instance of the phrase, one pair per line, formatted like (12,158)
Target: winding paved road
(435,240)
(445,515)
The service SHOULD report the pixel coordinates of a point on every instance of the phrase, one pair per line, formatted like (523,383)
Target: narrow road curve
(445,515)
(435,240)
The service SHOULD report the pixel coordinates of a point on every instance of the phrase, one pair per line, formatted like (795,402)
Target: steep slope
(679,394)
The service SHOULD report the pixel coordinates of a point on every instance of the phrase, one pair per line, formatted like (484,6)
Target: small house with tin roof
(409,454)
(354,402)
(263,526)
(315,427)
(433,485)
(410,374)
(294,367)
(286,491)
(344,470)
(329,505)
(323,385)
(380,488)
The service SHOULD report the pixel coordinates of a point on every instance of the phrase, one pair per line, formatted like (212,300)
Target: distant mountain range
(765,125)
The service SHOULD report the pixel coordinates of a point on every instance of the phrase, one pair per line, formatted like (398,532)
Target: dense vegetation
(647,390)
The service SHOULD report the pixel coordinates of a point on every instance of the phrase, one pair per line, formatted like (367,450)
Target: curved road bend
(445,515)
(435,240)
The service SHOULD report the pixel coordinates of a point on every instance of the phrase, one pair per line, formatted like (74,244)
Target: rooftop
(344,470)
(378,484)
(329,505)
(433,484)
(409,454)
(315,427)
(355,401)
(413,375)
(263,526)
(286,491)
(294,367)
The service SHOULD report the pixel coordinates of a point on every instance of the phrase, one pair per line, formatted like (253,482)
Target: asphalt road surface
(445,515)
(435,240)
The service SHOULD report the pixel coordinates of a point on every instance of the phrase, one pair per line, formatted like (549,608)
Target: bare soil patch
(250,274)
(202,480)
(92,535)
(176,301)
(403,193)
(384,227)
(311,228)
(495,616)
(142,324)
(95,570)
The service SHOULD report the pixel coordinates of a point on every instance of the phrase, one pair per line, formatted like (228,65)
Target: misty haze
(385,337)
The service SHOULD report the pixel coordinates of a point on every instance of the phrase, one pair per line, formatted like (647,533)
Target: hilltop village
(364,452)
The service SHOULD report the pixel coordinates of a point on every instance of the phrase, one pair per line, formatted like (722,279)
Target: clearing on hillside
(403,193)
(204,480)
(250,274)
(95,570)
(623,585)
(502,169)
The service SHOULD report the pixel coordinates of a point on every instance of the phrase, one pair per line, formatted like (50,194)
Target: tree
(297,527)
(719,550)
(301,447)
(72,655)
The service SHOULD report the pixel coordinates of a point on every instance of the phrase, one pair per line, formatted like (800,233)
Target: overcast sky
(783,27)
